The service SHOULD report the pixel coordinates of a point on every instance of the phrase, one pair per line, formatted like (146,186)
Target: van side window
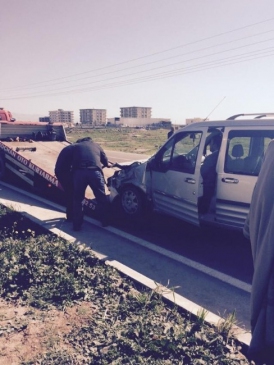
(245,151)
(181,152)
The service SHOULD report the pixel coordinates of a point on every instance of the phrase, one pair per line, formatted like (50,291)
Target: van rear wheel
(132,201)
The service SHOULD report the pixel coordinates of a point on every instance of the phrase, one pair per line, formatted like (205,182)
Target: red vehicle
(6,115)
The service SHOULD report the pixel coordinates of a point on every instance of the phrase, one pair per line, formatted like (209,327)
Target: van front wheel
(132,201)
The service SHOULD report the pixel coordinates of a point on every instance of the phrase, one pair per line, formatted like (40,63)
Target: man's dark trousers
(66,180)
(82,178)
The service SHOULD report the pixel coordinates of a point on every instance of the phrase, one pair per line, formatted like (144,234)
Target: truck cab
(5,115)
(171,181)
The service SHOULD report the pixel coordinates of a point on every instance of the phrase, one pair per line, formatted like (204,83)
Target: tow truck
(28,153)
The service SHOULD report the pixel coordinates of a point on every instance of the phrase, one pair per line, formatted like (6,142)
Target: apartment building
(93,116)
(135,112)
(61,116)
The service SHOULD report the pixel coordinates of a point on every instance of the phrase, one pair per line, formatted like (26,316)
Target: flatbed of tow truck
(28,153)
(42,153)
(25,159)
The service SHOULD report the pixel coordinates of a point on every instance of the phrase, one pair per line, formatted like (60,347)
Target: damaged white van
(171,181)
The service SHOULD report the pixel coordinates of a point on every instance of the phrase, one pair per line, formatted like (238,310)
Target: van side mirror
(156,164)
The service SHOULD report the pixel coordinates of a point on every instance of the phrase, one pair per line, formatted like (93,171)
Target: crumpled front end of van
(133,174)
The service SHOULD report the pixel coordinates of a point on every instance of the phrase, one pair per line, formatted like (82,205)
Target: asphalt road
(117,156)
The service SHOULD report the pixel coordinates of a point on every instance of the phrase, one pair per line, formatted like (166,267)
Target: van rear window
(245,151)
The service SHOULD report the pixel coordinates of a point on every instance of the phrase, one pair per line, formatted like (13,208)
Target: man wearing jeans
(88,160)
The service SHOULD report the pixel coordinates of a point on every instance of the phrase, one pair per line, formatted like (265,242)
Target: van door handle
(189,180)
(230,180)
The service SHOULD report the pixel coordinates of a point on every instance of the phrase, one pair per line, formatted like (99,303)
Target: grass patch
(59,304)
(123,139)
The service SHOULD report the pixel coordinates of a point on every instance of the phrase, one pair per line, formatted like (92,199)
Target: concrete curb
(244,337)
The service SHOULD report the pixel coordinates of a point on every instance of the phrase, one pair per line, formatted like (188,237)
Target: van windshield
(180,153)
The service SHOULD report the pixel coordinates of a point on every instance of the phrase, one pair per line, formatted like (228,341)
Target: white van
(171,181)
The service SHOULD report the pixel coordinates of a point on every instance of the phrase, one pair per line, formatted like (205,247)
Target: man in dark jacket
(208,172)
(88,159)
(63,172)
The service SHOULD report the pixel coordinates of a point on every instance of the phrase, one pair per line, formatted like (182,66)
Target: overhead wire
(160,52)
(160,67)
(161,60)
(165,74)
(191,69)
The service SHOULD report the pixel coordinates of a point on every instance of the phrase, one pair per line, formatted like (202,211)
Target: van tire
(132,201)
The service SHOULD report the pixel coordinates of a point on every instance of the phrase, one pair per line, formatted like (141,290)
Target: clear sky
(183,58)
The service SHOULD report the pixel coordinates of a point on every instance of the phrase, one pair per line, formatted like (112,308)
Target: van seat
(237,162)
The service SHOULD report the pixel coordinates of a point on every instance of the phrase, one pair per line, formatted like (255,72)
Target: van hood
(134,174)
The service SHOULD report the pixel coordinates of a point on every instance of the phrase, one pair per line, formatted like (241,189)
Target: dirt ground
(27,332)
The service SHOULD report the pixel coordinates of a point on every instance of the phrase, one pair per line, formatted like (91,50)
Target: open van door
(175,182)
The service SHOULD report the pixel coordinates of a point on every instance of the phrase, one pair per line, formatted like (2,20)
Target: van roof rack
(258,115)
